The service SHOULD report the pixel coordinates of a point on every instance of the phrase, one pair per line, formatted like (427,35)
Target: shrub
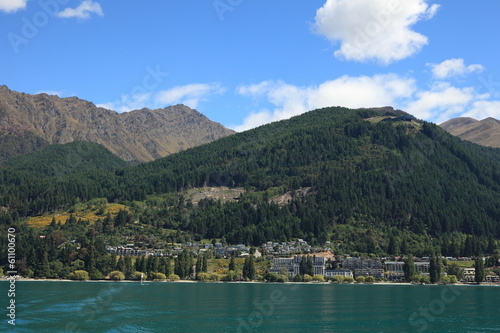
(282,278)
(307,278)
(271,277)
(348,279)
(203,277)
(174,277)
(231,276)
(79,275)
(214,277)
(369,279)
(26,272)
(337,279)
(318,278)
(360,279)
(416,278)
(158,276)
(95,275)
(137,276)
(117,276)
(425,279)
(449,279)
(298,278)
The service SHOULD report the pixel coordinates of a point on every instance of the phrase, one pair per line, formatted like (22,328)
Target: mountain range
(485,132)
(30,122)
(361,179)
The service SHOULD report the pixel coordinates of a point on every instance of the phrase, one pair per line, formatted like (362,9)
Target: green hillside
(70,158)
(375,184)
(12,145)
(55,177)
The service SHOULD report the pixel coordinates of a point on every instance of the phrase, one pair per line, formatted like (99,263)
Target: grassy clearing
(89,212)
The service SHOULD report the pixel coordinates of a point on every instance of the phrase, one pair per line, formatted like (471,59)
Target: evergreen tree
(480,273)
(232,265)
(491,246)
(393,247)
(435,269)
(310,266)
(168,267)
(409,268)
(204,267)
(303,266)
(91,260)
(44,270)
(183,264)
(128,269)
(138,264)
(120,264)
(144,267)
(249,268)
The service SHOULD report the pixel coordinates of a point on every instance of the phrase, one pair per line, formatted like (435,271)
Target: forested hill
(378,172)
(66,159)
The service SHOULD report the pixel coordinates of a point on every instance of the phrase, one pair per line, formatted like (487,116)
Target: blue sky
(244,63)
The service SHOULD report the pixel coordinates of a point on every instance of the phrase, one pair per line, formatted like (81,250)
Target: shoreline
(484,284)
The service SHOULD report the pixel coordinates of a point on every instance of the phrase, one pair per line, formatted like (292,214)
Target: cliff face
(485,132)
(140,135)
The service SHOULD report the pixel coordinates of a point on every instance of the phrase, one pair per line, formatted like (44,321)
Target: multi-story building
(329,273)
(470,274)
(492,278)
(292,265)
(364,267)
(395,272)
(377,273)
(357,263)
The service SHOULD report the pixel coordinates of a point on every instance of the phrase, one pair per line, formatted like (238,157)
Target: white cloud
(441,103)
(378,30)
(452,68)
(11,6)
(83,11)
(484,109)
(189,95)
(353,92)
(50,92)
(129,102)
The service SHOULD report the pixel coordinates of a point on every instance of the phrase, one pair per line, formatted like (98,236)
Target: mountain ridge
(139,135)
(374,177)
(485,132)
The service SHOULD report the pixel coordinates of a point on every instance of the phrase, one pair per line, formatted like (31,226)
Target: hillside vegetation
(375,186)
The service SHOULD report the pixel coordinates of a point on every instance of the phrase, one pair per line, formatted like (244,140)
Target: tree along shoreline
(381,283)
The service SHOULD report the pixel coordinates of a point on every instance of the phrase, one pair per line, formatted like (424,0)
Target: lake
(250,307)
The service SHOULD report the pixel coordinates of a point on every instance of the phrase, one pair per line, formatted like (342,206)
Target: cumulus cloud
(11,6)
(128,103)
(378,30)
(83,11)
(190,95)
(453,68)
(50,92)
(484,109)
(354,92)
(441,103)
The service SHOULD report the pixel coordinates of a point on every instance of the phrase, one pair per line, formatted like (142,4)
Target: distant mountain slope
(141,135)
(65,159)
(485,132)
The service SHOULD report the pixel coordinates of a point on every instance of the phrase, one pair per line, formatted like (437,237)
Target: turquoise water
(224,307)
